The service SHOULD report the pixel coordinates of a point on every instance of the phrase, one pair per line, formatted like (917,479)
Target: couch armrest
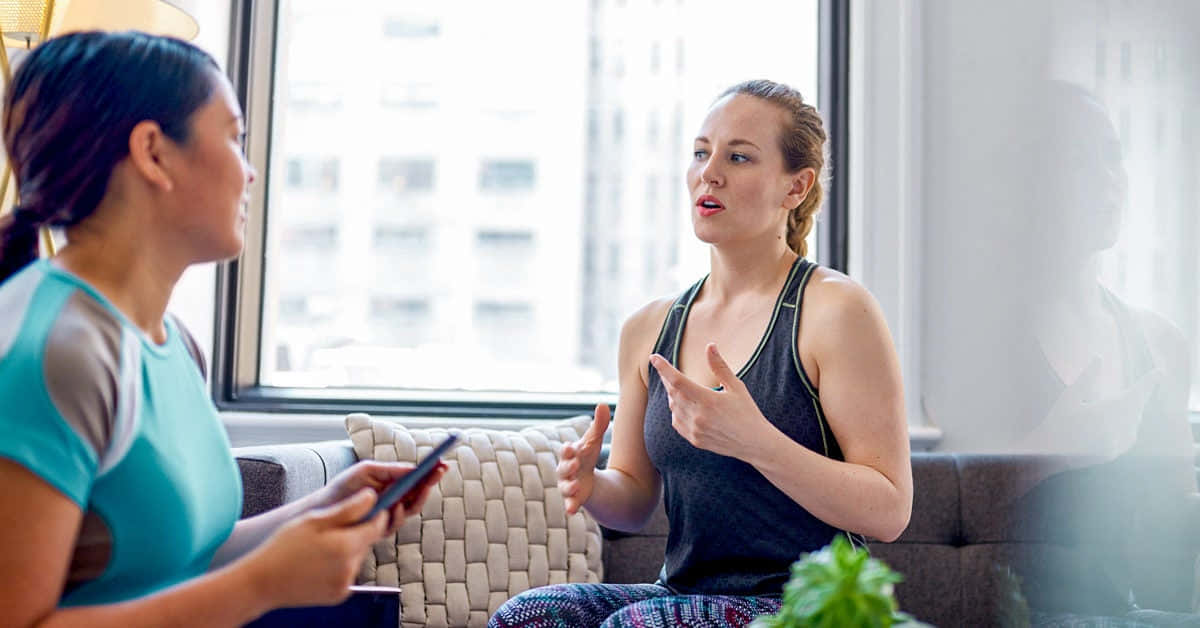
(366,606)
(273,475)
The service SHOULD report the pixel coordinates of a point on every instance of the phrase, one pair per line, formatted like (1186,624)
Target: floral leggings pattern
(626,606)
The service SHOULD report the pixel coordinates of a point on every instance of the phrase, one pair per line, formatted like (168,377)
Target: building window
(404,175)
(397,321)
(314,96)
(503,175)
(314,174)
(409,95)
(411,28)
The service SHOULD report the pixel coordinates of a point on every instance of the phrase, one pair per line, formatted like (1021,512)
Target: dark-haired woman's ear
(147,148)
(802,184)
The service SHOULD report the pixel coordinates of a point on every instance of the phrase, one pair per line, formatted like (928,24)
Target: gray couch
(982,527)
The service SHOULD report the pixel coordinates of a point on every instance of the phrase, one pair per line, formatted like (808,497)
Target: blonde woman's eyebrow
(739,142)
(733,142)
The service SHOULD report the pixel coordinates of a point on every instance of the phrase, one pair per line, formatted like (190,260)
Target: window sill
(255,428)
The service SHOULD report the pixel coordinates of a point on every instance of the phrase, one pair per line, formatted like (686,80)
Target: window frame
(235,383)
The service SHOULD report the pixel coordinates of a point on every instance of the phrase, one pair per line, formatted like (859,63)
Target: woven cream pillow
(494,526)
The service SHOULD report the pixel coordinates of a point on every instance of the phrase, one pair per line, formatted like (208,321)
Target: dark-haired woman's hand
(725,421)
(313,559)
(378,476)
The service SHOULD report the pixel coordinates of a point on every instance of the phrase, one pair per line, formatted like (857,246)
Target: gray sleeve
(193,347)
(82,367)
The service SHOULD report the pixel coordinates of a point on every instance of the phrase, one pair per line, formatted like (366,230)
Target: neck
(747,269)
(1074,285)
(133,271)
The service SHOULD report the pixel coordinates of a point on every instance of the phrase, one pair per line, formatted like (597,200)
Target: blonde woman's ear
(802,185)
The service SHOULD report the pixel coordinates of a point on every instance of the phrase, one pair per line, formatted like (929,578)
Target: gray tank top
(731,531)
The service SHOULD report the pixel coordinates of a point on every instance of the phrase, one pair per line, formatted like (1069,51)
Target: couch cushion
(936,505)
(1003,498)
(932,589)
(1052,579)
(494,526)
(274,475)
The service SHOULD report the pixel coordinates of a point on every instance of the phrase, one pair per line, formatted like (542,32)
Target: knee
(544,607)
(637,615)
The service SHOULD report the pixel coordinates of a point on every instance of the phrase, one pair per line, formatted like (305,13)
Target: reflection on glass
(1066,292)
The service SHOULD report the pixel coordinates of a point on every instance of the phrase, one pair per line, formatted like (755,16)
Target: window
(402,175)
(477,198)
(504,259)
(313,96)
(499,175)
(400,321)
(409,95)
(313,174)
(410,28)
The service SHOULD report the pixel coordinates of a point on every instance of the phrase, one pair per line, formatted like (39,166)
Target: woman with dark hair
(121,498)
(754,466)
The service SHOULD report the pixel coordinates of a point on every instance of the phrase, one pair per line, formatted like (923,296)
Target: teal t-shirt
(120,425)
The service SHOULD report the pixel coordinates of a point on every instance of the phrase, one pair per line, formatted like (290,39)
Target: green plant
(838,586)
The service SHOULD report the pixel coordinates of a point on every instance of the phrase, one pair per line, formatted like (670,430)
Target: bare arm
(624,494)
(250,533)
(862,396)
(310,560)
(34,561)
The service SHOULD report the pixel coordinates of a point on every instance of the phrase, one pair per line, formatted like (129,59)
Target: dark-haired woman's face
(212,191)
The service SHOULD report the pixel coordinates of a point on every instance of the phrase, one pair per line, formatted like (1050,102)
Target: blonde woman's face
(737,181)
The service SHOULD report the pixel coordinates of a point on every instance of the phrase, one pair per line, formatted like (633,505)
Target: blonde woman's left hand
(725,421)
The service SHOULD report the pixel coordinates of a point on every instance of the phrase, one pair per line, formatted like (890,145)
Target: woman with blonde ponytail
(754,466)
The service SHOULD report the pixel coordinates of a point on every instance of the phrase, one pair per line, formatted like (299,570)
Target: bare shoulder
(836,303)
(639,335)
(643,325)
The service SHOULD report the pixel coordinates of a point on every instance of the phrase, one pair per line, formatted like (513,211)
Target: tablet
(400,488)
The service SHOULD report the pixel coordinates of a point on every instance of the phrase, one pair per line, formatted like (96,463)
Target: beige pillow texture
(494,526)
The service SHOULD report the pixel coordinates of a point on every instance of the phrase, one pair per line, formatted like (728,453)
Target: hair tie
(26,217)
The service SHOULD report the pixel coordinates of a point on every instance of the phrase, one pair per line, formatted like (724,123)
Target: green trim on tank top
(762,342)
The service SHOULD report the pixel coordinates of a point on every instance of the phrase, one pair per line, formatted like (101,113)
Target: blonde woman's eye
(739,158)
(700,154)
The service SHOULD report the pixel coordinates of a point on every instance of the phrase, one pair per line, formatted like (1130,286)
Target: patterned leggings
(626,606)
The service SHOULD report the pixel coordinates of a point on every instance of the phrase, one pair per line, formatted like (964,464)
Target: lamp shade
(22,20)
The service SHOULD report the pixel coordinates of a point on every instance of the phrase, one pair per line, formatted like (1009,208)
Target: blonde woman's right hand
(313,559)
(577,467)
